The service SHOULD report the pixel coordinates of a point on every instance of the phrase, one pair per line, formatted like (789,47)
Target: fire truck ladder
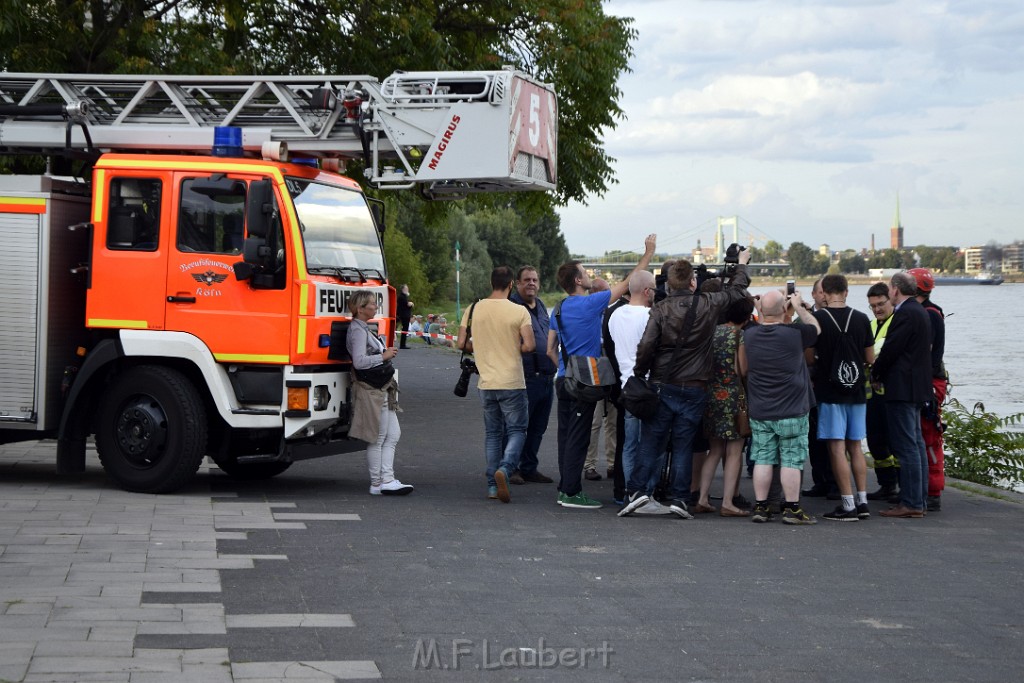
(451,132)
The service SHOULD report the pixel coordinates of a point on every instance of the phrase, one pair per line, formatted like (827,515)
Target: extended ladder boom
(454,132)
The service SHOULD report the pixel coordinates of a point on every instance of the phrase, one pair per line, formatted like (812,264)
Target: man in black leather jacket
(682,378)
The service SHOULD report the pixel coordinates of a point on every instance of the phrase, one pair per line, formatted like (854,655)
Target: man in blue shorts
(773,358)
(842,405)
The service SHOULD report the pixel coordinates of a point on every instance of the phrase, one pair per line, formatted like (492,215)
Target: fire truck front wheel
(151,430)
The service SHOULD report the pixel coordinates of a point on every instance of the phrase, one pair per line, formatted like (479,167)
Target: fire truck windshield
(338,231)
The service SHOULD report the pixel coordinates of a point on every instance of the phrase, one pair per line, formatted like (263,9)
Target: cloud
(782,117)
(806,119)
(743,194)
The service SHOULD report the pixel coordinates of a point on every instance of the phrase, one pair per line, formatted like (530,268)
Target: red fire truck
(184,295)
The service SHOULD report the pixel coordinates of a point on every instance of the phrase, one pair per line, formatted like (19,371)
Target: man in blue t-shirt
(578,329)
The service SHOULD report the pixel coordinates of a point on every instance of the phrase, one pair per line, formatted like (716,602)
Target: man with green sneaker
(577,328)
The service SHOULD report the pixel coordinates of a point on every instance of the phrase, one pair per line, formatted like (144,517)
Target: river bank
(780,281)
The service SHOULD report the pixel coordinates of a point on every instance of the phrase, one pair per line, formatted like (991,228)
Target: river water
(984,348)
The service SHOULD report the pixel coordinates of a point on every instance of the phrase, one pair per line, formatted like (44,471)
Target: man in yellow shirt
(498,331)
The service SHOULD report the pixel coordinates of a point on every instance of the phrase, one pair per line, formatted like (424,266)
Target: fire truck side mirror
(259,208)
(255,258)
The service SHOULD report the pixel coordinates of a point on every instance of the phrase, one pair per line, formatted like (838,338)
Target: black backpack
(846,374)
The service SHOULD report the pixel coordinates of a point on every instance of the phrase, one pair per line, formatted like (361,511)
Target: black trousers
(821,461)
(404,324)
(574,420)
(887,468)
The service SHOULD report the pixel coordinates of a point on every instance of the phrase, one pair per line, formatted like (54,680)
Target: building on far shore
(974,259)
(883,273)
(1013,258)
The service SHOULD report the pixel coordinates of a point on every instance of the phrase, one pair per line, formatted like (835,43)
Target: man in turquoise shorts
(773,359)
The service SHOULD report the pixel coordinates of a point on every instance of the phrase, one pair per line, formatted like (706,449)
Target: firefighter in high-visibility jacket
(932,425)
(886,465)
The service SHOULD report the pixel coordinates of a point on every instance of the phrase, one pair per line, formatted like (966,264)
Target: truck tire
(251,471)
(151,430)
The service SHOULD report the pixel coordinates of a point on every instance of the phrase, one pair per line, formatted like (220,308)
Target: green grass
(990,493)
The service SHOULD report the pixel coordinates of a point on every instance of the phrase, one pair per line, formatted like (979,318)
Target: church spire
(896,233)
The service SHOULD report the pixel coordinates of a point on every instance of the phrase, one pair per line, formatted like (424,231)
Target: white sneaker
(395,488)
(374,490)
(652,507)
(633,503)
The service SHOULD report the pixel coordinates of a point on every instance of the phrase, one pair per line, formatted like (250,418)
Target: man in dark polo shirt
(773,358)
(540,376)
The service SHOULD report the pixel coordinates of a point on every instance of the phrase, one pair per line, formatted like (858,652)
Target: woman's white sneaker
(395,488)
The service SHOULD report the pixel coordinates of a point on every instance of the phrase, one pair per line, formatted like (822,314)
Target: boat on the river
(979,279)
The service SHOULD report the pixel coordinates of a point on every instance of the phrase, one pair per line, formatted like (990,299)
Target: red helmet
(925,280)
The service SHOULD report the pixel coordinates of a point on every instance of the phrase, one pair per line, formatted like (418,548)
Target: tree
(852,264)
(507,242)
(475,273)
(426,226)
(546,233)
(891,258)
(801,259)
(404,266)
(952,263)
(772,251)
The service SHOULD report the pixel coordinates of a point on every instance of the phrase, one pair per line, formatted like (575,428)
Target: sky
(807,120)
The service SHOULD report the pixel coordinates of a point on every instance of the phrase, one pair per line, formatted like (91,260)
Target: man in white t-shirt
(498,331)
(626,327)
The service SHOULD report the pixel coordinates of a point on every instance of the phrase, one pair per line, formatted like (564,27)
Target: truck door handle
(181,299)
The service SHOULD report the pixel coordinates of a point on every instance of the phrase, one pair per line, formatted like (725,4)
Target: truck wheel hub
(141,431)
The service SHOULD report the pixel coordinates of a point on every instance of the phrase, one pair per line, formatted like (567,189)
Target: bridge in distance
(621,269)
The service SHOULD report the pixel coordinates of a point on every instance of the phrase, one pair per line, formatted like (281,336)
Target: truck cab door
(204,297)
(129,265)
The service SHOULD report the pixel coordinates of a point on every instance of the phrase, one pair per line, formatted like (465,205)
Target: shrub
(981,448)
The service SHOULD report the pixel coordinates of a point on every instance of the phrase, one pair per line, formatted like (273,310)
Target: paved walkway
(78,558)
(101,585)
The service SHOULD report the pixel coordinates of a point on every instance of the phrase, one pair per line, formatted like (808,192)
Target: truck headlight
(321,397)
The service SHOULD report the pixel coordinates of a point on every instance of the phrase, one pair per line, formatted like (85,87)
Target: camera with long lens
(468,366)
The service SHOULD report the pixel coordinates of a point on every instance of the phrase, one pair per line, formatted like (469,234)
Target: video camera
(732,260)
(468,366)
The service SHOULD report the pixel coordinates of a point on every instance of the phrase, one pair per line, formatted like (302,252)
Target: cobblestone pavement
(78,558)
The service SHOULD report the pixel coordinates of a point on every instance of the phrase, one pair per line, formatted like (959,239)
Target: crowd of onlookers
(722,373)
(432,330)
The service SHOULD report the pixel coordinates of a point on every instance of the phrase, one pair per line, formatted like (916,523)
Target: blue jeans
(540,394)
(630,442)
(679,414)
(907,443)
(631,446)
(505,419)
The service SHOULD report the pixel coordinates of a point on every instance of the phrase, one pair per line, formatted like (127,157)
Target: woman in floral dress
(724,393)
